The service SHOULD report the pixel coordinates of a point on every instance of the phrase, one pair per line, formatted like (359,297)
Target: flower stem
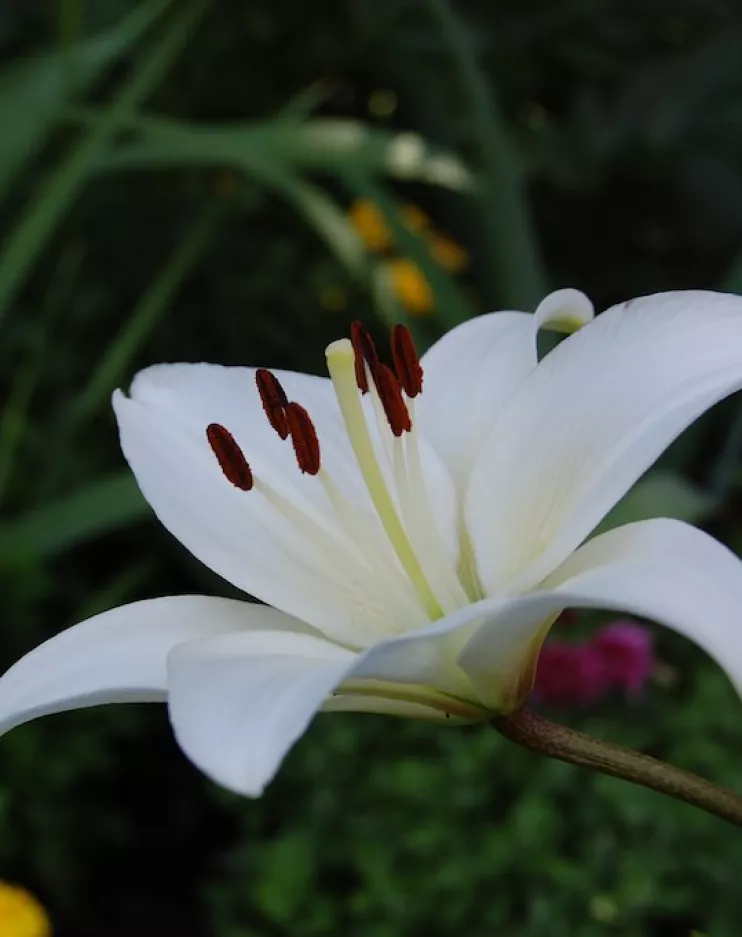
(532,731)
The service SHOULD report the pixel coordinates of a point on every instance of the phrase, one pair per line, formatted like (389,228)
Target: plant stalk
(532,731)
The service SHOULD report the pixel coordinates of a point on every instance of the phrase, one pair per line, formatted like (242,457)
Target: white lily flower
(414,560)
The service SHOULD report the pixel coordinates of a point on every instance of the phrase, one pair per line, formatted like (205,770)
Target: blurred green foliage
(173,186)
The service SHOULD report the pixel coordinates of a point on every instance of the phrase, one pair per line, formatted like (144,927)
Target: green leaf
(100,507)
(661,494)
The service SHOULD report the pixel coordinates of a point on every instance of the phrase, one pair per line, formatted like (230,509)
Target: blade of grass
(97,508)
(57,193)
(517,277)
(14,417)
(118,590)
(111,370)
(32,90)
(319,144)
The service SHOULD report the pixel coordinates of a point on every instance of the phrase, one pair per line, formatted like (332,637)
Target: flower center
(390,464)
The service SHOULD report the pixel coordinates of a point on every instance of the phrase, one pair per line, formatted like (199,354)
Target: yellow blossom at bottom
(410,286)
(21,915)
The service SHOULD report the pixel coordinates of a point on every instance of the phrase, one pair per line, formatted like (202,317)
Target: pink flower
(626,648)
(570,674)
(618,657)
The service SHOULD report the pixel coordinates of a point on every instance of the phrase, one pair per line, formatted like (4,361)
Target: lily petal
(239,702)
(474,369)
(119,656)
(592,418)
(313,572)
(660,569)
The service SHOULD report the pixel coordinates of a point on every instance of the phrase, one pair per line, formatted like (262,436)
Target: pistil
(342,366)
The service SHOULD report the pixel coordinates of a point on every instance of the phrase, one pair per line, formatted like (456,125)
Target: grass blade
(57,193)
(99,507)
(32,90)
(111,370)
(517,277)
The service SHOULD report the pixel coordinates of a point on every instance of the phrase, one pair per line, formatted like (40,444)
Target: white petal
(662,569)
(468,376)
(119,656)
(241,535)
(239,702)
(564,311)
(474,369)
(591,418)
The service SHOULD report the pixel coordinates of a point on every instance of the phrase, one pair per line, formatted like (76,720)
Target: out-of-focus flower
(448,253)
(410,286)
(415,218)
(409,283)
(21,915)
(626,649)
(370,225)
(569,674)
(618,657)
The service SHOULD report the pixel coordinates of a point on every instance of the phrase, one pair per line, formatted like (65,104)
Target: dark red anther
(406,362)
(304,438)
(365,351)
(274,400)
(390,394)
(229,456)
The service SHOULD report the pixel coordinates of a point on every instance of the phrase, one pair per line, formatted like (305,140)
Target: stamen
(274,400)
(390,394)
(340,363)
(304,438)
(229,456)
(406,361)
(365,350)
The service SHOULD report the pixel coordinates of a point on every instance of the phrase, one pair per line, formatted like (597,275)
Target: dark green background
(159,202)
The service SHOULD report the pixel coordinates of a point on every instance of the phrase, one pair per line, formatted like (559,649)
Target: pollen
(390,394)
(406,362)
(304,438)
(228,454)
(274,400)
(365,352)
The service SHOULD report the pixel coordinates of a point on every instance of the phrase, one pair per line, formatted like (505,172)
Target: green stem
(517,272)
(532,731)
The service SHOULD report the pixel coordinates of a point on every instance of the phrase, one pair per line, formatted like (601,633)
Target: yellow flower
(410,286)
(21,915)
(370,226)
(448,253)
(414,218)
